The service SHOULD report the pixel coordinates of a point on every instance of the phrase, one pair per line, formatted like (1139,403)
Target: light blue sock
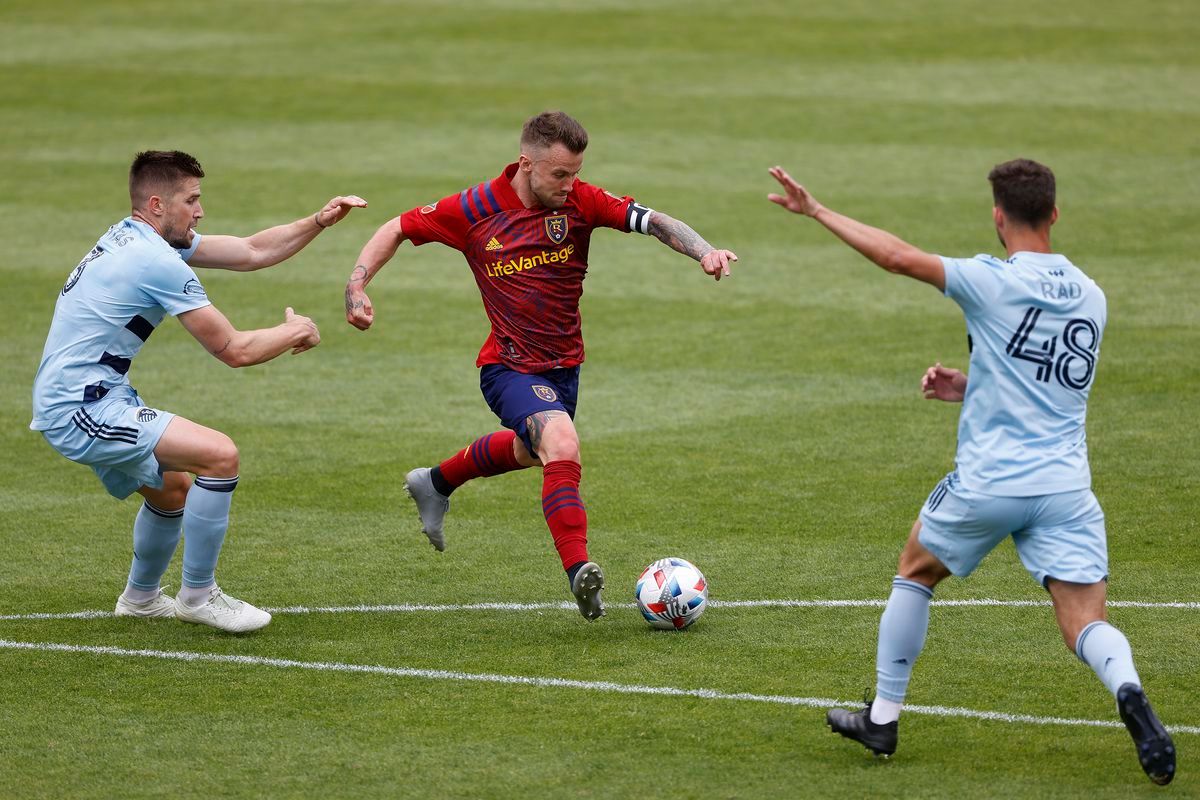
(901,637)
(1106,650)
(155,536)
(205,520)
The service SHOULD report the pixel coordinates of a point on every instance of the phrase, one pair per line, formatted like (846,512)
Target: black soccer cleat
(857,725)
(1156,751)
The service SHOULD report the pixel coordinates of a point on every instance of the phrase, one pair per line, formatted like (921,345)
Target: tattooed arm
(377,252)
(680,237)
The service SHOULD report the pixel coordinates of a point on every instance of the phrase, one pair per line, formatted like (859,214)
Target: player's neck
(137,216)
(520,185)
(1027,240)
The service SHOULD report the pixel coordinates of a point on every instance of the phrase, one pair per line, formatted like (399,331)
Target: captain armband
(637,218)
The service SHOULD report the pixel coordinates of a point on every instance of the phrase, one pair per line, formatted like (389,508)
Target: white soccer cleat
(431,505)
(223,612)
(159,606)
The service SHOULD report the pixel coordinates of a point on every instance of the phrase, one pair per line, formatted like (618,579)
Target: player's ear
(998,217)
(1054,215)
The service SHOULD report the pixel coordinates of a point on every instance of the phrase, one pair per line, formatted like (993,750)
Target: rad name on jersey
(499,269)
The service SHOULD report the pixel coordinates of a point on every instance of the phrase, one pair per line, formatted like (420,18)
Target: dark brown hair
(1024,190)
(158,172)
(554,127)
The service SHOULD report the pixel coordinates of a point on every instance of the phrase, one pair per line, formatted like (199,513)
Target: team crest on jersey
(429,209)
(556,228)
(545,393)
(146,414)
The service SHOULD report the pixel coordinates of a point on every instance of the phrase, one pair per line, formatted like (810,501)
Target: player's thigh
(960,527)
(187,446)
(514,397)
(116,437)
(1064,538)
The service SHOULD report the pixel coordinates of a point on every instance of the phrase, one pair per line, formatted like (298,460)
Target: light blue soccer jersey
(1035,322)
(106,311)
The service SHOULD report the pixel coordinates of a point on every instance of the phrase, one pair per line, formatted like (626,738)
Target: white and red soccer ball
(671,593)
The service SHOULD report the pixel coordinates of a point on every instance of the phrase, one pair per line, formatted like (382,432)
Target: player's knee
(560,448)
(175,490)
(223,458)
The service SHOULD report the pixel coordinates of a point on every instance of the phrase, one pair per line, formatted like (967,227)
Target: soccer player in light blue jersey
(1035,322)
(139,272)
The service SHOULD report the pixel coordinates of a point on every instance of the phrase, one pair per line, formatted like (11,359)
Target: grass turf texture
(768,428)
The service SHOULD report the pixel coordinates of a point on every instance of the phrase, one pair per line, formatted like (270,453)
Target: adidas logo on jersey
(494,244)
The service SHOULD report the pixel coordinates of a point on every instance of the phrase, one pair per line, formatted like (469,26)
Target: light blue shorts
(116,437)
(1057,536)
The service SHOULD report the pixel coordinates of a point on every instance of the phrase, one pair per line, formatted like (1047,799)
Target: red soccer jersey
(529,263)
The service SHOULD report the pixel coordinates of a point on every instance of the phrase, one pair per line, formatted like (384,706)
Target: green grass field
(768,428)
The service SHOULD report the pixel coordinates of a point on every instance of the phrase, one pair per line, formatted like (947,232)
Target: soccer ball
(671,593)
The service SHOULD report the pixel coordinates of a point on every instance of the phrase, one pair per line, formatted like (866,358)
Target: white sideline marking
(554,683)
(567,605)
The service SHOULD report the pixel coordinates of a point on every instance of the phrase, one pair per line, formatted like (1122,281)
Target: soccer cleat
(223,612)
(1155,750)
(157,607)
(586,587)
(857,725)
(431,505)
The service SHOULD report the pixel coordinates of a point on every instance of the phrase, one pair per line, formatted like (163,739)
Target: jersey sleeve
(606,210)
(173,285)
(973,283)
(443,221)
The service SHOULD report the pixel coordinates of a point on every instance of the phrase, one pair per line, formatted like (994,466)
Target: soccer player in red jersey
(525,235)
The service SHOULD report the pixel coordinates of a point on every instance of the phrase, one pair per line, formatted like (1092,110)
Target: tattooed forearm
(678,236)
(359,274)
(224,347)
(352,303)
(537,426)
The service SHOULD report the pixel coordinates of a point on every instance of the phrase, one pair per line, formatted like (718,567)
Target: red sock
(486,456)
(564,510)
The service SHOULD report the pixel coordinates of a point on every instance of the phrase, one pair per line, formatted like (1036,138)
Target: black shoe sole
(1155,750)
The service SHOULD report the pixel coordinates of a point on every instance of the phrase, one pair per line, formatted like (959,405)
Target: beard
(180,240)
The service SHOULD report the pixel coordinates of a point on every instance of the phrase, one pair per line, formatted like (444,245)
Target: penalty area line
(552,683)
(401,608)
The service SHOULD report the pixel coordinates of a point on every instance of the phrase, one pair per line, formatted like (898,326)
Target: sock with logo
(155,537)
(564,510)
(902,631)
(486,456)
(1106,650)
(205,520)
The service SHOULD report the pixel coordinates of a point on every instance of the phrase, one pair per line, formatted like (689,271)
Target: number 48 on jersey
(1076,361)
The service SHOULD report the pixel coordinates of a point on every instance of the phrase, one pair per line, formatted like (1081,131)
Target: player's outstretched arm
(273,245)
(680,237)
(246,348)
(943,383)
(885,249)
(375,253)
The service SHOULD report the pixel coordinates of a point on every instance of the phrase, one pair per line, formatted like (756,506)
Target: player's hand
(307,329)
(797,199)
(359,311)
(943,383)
(716,262)
(337,209)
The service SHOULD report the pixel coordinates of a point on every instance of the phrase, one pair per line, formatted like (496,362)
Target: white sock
(884,711)
(193,595)
(139,595)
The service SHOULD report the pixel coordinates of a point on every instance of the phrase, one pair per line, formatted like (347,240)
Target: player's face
(181,213)
(552,173)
